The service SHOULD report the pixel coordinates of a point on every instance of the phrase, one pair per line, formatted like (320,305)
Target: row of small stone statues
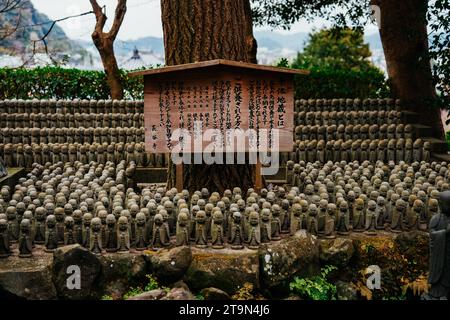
(360,150)
(60,120)
(25,155)
(333,199)
(71,135)
(324,118)
(387,104)
(71,106)
(333,132)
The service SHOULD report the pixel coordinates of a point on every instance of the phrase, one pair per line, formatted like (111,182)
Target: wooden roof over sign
(215,63)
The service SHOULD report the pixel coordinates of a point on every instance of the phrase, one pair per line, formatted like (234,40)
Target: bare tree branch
(121,9)
(9,5)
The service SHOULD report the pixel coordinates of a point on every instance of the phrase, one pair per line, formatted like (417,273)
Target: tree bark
(201,30)
(104,42)
(405,43)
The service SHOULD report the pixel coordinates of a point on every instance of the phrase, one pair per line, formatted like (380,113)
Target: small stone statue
(330,221)
(414,215)
(59,215)
(358,215)
(371,218)
(160,236)
(276,223)
(95,236)
(311,222)
(39,226)
(237,236)
(182,232)
(439,272)
(5,250)
(86,231)
(13,224)
(266,226)
(51,236)
(69,234)
(123,235)
(140,236)
(398,216)
(111,234)
(200,230)
(254,232)
(296,222)
(217,233)
(25,240)
(343,223)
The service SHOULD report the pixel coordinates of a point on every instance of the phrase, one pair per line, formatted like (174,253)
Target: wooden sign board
(221,95)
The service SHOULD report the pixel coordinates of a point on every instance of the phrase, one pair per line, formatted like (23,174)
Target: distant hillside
(34,25)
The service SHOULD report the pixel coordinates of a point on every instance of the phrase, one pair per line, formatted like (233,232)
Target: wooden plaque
(222,97)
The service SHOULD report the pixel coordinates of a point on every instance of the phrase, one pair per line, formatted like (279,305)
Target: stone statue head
(444,202)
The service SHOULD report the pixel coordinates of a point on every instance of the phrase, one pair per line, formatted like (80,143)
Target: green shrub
(328,83)
(63,83)
(316,288)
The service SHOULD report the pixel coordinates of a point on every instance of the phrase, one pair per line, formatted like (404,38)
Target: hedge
(335,83)
(62,83)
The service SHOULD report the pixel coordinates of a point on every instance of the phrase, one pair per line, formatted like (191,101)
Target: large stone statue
(439,270)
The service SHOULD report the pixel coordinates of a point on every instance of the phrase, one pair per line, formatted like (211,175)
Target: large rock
(180,291)
(336,252)
(150,295)
(120,271)
(89,267)
(169,266)
(28,278)
(225,269)
(214,294)
(280,261)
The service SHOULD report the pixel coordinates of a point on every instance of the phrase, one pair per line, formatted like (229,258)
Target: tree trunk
(201,30)
(104,42)
(405,42)
(106,50)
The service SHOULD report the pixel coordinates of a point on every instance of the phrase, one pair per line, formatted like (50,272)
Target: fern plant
(316,288)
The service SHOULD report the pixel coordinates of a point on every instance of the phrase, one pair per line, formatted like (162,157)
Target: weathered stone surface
(336,252)
(346,291)
(280,261)
(90,267)
(214,294)
(225,269)
(120,271)
(169,266)
(29,278)
(179,293)
(150,295)
(414,245)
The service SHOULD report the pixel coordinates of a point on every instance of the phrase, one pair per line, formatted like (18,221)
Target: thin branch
(121,9)
(99,16)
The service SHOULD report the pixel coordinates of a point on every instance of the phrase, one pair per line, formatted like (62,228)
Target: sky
(143,18)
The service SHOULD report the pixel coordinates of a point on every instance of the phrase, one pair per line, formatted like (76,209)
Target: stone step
(421,130)
(410,116)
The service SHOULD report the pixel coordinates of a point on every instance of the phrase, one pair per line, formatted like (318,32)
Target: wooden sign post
(222,95)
